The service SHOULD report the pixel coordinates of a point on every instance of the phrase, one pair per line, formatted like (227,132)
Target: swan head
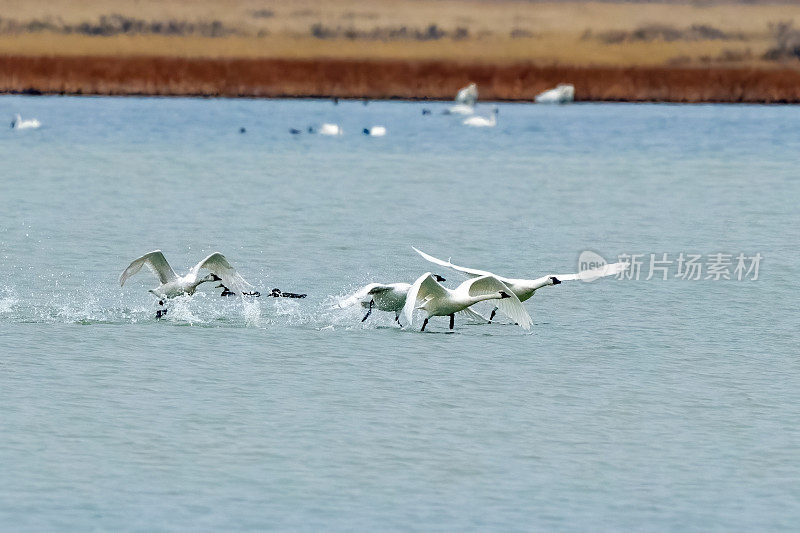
(504,294)
(439,278)
(554,280)
(210,277)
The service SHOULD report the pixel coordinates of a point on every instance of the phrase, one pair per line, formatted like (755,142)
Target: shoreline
(388,79)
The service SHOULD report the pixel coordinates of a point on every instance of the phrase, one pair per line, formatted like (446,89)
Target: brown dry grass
(272,28)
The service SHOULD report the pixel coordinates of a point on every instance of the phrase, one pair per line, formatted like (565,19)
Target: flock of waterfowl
(426,293)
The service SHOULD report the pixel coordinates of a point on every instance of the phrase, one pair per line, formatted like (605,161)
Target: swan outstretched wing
(424,287)
(474,272)
(217,264)
(607,270)
(468,95)
(510,306)
(472,315)
(156,262)
(363,292)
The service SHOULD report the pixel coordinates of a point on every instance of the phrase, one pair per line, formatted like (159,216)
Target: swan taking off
(562,94)
(483,122)
(375,131)
(330,129)
(18,124)
(524,288)
(382,296)
(173,285)
(437,300)
(465,101)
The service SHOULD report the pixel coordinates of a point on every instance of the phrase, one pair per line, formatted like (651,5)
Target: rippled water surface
(631,405)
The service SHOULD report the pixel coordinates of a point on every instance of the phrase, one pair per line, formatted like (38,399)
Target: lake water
(647,405)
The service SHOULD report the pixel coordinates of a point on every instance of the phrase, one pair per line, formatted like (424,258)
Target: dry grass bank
(386,79)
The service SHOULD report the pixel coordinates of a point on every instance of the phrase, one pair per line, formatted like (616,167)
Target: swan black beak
(214,277)
(556,281)
(504,294)
(437,277)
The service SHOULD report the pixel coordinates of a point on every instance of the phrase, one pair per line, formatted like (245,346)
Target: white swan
(375,131)
(437,300)
(483,122)
(330,129)
(467,95)
(525,288)
(173,285)
(562,94)
(18,124)
(387,297)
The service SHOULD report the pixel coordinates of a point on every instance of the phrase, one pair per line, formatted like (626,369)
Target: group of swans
(464,104)
(18,124)
(427,293)
(330,129)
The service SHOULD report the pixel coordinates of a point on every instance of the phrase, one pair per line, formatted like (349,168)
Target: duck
(428,294)
(524,289)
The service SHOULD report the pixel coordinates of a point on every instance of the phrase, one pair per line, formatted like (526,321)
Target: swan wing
(424,287)
(473,272)
(510,307)
(217,264)
(363,292)
(156,262)
(469,314)
(607,270)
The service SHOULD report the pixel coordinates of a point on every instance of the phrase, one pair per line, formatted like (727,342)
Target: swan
(173,285)
(18,124)
(459,109)
(330,129)
(525,288)
(483,122)
(384,297)
(563,93)
(437,300)
(375,131)
(467,95)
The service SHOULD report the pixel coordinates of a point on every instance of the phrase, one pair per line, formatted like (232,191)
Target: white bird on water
(330,129)
(525,288)
(390,297)
(483,122)
(465,101)
(562,94)
(437,300)
(173,285)
(18,124)
(375,131)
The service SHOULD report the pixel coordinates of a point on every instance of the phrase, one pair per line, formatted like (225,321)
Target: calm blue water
(631,405)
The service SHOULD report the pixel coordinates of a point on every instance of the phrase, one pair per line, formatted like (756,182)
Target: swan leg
(452,321)
(162,312)
(424,324)
(491,317)
(371,302)
(397,319)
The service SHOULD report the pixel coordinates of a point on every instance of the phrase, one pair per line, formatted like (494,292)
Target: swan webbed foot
(161,313)
(425,323)
(371,303)
(491,317)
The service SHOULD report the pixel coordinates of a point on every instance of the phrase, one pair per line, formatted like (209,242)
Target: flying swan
(525,288)
(173,285)
(464,102)
(437,300)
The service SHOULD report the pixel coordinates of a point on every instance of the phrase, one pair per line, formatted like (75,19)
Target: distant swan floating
(524,288)
(562,94)
(483,122)
(173,285)
(330,129)
(375,131)
(18,124)
(437,300)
